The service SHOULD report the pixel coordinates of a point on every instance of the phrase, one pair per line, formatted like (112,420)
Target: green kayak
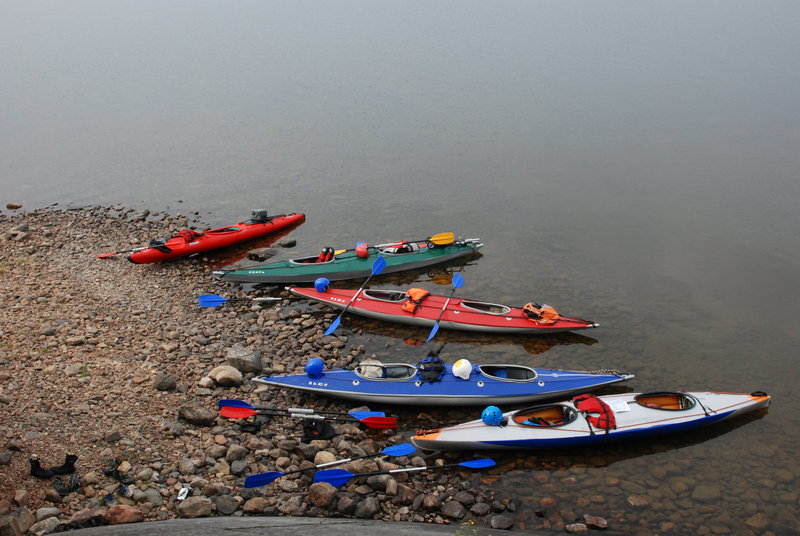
(354,264)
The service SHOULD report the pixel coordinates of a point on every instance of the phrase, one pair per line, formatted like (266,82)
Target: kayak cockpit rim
(508,373)
(545,416)
(313,259)
(665,400)
(393,296)
(486,308)
(385,371)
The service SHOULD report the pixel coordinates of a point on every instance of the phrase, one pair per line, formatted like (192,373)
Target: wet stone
(367,508)
(225,504)
(576,528)
(502,521)
(595,522)
(480,509)
(454,510)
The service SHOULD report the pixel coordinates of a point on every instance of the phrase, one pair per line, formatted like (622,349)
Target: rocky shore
(116,363)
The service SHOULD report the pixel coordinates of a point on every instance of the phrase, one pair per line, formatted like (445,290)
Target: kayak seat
(665,401)
(385,295)
(486,308)
(545,416)
(225,230)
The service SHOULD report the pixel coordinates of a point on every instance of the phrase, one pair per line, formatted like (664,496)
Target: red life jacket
(188,235)
(325,255)
(414,297)
(590,404)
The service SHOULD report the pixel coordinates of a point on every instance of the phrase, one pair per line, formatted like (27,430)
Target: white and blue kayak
(590,420)
(437,383)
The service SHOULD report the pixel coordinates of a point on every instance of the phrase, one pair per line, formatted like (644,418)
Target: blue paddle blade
(334,325)
(233,403)
(210,300)
(364,414)
(433,332)
(403,449)
(378,265)
(458,281)
(479,463)
(262,479)
(334,477)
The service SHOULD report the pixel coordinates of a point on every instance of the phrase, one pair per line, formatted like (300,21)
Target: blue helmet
(492,416)
(314,367)
(322,284)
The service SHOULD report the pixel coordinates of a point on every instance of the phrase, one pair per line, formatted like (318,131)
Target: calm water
(635,164)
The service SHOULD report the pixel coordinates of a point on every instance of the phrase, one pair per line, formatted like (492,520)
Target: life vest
(325,255)
(414,298)
(540,314)
(188,235)
(589,405)
(430,369)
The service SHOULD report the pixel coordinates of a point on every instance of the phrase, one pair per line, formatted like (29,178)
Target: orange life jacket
(414,297)
(540,314)
(589,405)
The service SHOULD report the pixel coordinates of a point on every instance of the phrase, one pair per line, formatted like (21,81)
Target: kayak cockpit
(547,416)
(375,370)
(314,259)
(665,400)
(508,373)
(486,308)
(385,295)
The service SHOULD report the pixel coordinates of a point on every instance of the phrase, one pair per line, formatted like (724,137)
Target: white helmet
(462,369)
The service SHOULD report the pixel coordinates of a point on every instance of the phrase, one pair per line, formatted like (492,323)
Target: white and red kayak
(590,420)
(462,314)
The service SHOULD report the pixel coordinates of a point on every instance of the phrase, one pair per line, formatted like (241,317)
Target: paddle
(107,255)
(339,477)
(262,479)
(370,422)
(377,267)
(234,403)
(458,282)
(215,300)
(441,239)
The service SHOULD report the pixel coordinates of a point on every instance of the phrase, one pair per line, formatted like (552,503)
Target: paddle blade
(262,479)
(458,281)
(236,413)
(364,414)
(106,255)
(334,325)
(434,330)
(403,449)
(381,423)
(480,463)
(378,265)
(334,477)
(442,239)
(233,403)
(210,300)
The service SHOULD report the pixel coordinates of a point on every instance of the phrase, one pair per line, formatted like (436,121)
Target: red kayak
(188,242)
(419,308)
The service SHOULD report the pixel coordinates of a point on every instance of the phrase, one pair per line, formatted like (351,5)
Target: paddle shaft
(438,239)
(377,268)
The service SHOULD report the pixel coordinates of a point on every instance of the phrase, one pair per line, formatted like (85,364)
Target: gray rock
(225,504)
(45,512)
(238,467)
(502,522)
(5,458)
(154,496)
(45,526)
(187,467)
(465,498)
(346,504)
(287,243)
(197,506)
(165,382)
(595,522)
(707,493)
(480,509)
(293,506)
(197,415)
(454,509)
(244,360)
(236,452)
(261,254)
(367,508)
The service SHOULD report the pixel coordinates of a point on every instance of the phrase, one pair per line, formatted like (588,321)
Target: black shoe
(37,470)
(68,467)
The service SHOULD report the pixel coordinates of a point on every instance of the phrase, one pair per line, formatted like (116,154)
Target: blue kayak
(429,382)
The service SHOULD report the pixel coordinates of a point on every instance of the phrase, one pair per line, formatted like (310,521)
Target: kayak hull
(348,265)
(633,420)
(482,387)
(178,247)
(461,314)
